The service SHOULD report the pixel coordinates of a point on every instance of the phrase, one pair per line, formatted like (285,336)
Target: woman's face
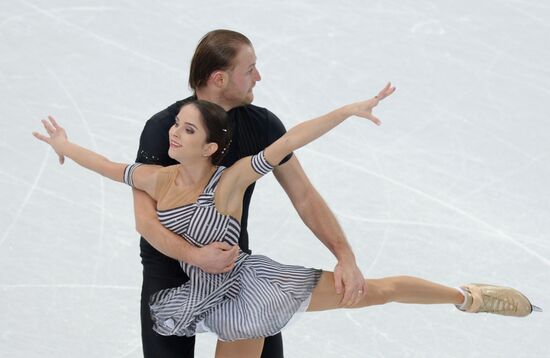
(188,136)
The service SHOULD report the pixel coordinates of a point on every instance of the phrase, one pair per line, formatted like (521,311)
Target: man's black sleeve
(276,129)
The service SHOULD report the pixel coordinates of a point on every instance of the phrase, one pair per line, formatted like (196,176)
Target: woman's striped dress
(256,299)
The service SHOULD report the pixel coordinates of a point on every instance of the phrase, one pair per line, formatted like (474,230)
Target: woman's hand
(364,108)
(56,137)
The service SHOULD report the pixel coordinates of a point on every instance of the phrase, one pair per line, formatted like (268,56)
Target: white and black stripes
(129,172)
(260,164)
(255,299)
(262,307)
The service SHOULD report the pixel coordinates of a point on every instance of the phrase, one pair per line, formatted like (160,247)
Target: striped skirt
(256,299)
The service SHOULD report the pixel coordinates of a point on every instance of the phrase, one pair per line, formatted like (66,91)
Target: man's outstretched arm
(318,217)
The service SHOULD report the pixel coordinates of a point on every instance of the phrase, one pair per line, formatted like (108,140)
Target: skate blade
(536,308)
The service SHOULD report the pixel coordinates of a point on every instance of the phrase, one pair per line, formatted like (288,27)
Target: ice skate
(499,300)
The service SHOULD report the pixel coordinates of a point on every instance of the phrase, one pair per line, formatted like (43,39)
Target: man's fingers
(338,282)
(228,268)
(356,298)
(349,293)
(229,264)
(359,297)
(348,296)
(224,262)
(361,292)
(61,159)
(222,245)
(235,251)
(231,253)
(364,293)
(234,255)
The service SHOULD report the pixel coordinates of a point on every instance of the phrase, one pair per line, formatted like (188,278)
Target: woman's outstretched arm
(307,132)
(144,178)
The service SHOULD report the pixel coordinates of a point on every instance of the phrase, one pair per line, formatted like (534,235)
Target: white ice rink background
(453,187)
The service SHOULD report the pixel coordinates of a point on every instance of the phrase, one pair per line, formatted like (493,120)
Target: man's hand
(217,257)
(349,281)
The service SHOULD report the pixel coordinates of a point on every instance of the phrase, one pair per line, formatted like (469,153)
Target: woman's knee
(381,291)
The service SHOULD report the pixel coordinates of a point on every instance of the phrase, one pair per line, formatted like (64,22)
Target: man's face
(242,78)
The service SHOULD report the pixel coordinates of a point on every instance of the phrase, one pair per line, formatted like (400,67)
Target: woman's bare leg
(248,348)
(403,289)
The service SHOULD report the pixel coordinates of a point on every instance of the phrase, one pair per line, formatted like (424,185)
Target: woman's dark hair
(215,51)
(214,119)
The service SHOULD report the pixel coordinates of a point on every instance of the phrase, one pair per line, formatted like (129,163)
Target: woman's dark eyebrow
(191,124)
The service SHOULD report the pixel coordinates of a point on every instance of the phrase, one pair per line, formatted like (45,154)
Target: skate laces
(498,303)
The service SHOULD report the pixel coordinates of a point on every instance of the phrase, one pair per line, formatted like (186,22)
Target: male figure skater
(223,70)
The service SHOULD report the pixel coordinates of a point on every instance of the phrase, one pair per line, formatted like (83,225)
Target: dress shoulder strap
(211,186)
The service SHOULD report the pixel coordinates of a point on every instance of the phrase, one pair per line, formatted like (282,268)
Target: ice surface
(452,187)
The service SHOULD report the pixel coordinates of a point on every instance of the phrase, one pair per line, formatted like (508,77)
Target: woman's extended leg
(403,289)
(406,289)
(248,348)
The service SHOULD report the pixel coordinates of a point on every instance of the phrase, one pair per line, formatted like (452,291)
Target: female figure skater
(200,201)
